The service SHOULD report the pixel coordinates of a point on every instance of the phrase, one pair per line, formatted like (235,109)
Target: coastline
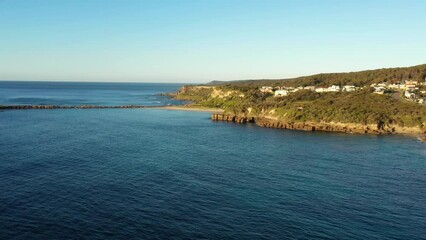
(350,128)
(262,121)
(362,112)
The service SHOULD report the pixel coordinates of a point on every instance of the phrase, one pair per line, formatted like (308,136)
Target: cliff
(322,127)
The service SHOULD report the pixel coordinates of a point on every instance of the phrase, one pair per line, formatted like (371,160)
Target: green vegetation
(363,107)
(194,94)
(390,75)
(357,107)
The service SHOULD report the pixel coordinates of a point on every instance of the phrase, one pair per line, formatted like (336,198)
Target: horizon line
(91,81)
(230,80)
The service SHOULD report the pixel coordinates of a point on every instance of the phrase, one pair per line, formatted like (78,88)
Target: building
(411,87)
(266,89)
(348,88)
(409,95)
(394,86)
(334,88)
(411,82)
(321,89)
(379,89)
(281,93)
(310,88)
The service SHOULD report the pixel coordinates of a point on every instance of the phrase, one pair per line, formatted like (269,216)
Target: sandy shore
(192,108)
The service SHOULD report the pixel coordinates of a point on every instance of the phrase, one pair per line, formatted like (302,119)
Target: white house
(321,89)
(409,95)
(266,89)
(411,82)
(394,86)
(381,92)
(348,88)
(310,88)
(379,89)
(334,88)
(281,93)
(411,87)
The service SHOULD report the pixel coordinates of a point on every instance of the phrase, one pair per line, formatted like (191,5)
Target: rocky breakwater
(232,118)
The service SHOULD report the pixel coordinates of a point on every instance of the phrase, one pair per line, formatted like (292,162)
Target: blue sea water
(89,93)
(162,174)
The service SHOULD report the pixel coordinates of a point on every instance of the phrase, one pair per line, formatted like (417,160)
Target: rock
(231,118)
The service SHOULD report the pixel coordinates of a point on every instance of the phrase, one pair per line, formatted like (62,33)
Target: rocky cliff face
(232,118)
(326,127)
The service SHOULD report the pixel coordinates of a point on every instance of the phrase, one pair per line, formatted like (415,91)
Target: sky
(202,40)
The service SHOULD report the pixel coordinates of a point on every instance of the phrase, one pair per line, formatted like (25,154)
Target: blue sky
(203,40)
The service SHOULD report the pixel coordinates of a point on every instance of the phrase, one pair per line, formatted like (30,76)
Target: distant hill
(215,82)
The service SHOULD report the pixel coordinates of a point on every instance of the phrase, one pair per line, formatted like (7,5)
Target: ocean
(88,93)
(164,174)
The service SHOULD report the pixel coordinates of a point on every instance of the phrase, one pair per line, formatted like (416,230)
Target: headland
(382,101)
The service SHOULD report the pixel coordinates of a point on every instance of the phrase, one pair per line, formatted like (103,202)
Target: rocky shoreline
(232,118)
(218,115)
(323,127)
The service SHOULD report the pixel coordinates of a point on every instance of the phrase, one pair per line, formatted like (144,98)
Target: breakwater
(12,107)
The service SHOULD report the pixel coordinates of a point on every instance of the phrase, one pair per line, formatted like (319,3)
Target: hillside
(362,78)
(243,98)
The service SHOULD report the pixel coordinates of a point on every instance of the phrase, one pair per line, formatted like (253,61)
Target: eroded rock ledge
(378,128)
(232,118)
(325,127)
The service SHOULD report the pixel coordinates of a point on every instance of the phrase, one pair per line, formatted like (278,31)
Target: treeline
(391,75)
